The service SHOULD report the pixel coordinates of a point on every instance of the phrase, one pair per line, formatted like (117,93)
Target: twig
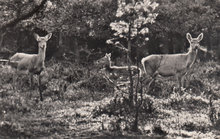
(120,46)
(115,85)
(24,16)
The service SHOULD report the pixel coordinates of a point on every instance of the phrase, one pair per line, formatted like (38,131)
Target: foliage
(189,113)
(19,11)
(133,19)
(187,14)
(79,18)
(175,19)
(91,19)
(79,102)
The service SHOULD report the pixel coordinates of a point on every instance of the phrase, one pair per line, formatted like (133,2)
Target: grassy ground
(78,104)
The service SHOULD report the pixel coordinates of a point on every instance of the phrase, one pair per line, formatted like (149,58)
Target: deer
(173,64)
(32,64)
(116,71)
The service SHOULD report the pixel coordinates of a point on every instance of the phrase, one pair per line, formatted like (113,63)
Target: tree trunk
(19,41)
(135,126)
(1,39)
(171,48)
(138,90)
(60,39)
(207,55)
(182,44)
(218,43)
(131,90)
(76,50)
(60,45)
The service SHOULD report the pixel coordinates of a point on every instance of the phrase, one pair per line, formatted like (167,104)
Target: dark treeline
(80,29)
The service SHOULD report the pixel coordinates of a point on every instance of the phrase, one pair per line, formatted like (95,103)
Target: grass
(78,104)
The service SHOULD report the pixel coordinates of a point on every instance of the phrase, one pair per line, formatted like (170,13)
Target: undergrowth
(81,103)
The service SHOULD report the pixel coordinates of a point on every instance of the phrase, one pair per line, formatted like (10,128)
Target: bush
(97,83)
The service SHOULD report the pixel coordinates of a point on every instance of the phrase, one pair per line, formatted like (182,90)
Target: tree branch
(120,46)
(14,22)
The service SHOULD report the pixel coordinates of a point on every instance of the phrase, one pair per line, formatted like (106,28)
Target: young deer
(32,64)
(117,71)
(173,64)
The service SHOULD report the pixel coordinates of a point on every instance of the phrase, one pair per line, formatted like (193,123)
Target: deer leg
(39,87)
(182,81)
(186,77)
(153,79)
(14,79)
(31,81)
(179,81)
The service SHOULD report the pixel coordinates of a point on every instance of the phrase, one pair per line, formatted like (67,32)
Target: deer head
(104,60)
(42,41)
(194,42)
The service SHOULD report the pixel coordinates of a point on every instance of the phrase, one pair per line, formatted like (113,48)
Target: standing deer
(117,71)
(173,64)
(32,64)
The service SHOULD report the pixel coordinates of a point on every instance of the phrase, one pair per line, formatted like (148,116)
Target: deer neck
(191,56)
(41,54)
(108,66)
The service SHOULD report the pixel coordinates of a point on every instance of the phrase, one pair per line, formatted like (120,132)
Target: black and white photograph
(110,69)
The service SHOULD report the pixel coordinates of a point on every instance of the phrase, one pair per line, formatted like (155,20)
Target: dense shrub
(97,83)
(77,99)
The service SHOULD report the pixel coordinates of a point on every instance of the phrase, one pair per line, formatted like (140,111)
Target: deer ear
(108,54)
(188,36)
(200,37)
(36,36)
(48,36)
